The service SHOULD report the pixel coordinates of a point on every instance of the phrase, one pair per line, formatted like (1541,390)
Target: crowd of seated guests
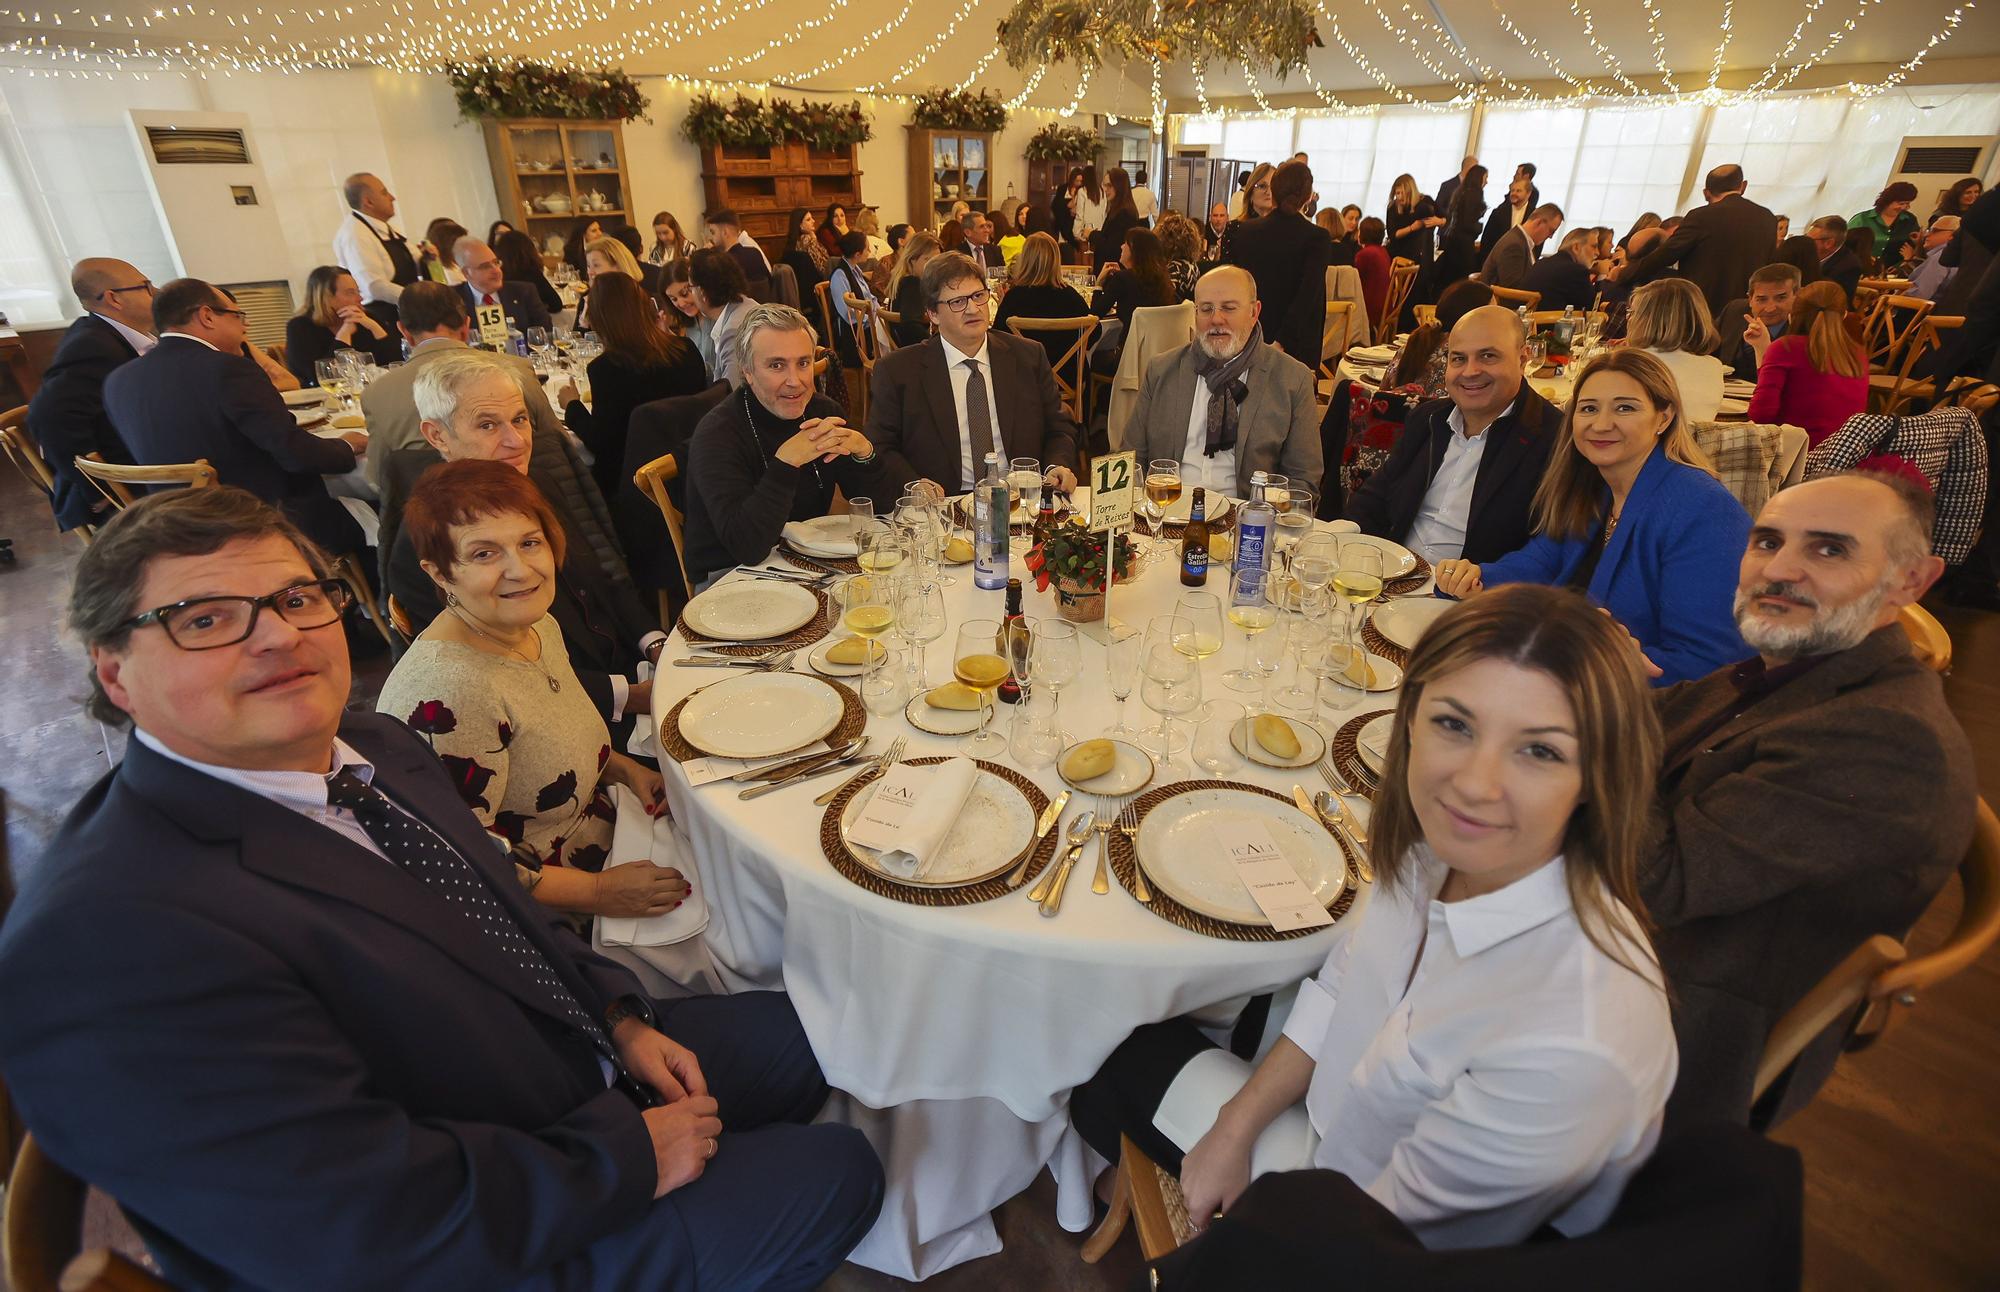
(1036,290)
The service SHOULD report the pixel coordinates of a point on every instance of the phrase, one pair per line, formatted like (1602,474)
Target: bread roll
(958,551)
(1276,736)
(853,650)
(1089,760)
(953,695)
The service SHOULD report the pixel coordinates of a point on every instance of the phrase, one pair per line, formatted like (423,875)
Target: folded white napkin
(938,795)
(638,836)
(817,541)
(1375,742)
(643,742)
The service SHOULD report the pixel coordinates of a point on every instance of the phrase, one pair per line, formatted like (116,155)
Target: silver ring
(711,1151)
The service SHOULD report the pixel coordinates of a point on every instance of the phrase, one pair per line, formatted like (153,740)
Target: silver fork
(1128,825)
(888,759)
(1106,822)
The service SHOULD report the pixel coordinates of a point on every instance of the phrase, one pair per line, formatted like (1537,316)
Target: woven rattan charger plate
(1372,638)
(964,895)
(852,719)
(819,564)
(1347,757)
(1125,861)
(1409,582)
(805,635)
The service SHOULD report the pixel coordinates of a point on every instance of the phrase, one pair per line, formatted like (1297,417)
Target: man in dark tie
(66,416)
(938,408)
(979,242)
(286,1002)
(1751,322)
(194,395)
(486,286)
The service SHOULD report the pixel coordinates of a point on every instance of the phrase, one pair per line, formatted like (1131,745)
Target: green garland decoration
(1270,36)
(750,123)
(943,109)
(487,88)
(1058,142)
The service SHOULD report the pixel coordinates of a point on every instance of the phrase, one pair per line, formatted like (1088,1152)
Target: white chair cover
(1155,330)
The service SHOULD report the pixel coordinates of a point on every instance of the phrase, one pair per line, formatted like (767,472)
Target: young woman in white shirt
(1487,1049)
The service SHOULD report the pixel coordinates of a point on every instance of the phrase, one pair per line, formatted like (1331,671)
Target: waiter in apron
(367,246)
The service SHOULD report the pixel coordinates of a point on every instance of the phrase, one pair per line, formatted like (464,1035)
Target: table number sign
(1273,884)
(492,320)
(1112,478)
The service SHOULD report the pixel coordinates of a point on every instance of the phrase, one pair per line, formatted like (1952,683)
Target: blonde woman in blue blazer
(1630,511)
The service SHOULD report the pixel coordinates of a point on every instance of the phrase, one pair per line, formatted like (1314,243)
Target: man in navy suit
(67,416)
(486,284)
(278,993)
(195,396)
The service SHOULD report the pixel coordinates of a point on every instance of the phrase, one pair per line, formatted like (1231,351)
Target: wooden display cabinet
(763,185)
(948,166)
(548,172)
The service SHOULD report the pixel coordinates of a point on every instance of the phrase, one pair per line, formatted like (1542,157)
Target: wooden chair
(1425,314)
(1073,368)
(1514,298)
(43,1234)
(277,352)
(1880,975)
(1868,291)
(651,481)
(1890,326)
(1402,277)
(1928,637)
(1143,1192)
(1333,338)
(114,478)
(887,321)
(823,293)
(27,458)
(400,620)
(861,313)
(1893,393)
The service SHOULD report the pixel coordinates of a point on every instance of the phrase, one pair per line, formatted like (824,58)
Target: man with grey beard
(1814,795)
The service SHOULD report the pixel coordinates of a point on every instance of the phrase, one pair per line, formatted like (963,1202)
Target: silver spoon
(1049,891)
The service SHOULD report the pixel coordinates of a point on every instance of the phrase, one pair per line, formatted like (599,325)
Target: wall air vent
(198,146)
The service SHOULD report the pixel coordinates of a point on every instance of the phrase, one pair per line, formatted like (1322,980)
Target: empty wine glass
(1121,668)
(1171,689)
(538,343)
(1213,750)
(920,620)
(1058,658)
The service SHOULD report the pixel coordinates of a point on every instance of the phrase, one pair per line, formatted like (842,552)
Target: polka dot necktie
(416,848)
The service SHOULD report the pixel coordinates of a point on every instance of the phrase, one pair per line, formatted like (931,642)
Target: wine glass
(882,550)
(1172,689)
(332,377)
(538,343)
(1359,581)
(1163,489)
(1058,658)
(1250,609)
(1267,651)
(1121,668)
(1203,612)
(885,687)
(1036,739)
(1213,752)
(977,663)
(920,620)
(861,518)
(1024,484)
(867,611)
(933,496)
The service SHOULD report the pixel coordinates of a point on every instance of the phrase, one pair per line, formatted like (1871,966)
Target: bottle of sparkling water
(1253,528)
(989,526)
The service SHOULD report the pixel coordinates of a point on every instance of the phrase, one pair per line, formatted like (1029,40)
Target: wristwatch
(628,1007)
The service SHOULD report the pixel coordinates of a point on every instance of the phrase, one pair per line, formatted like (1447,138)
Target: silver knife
(720,661)
(800,778)
(791,762)
(1050,815)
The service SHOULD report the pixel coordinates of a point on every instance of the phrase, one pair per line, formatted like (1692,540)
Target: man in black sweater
(1461,478)
(771,452)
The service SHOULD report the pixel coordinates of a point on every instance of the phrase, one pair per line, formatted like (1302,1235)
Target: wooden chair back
(400,620)
(23,452)
(861,326)
(41,1234)
(1891,325)
(347,567)
(887,321)
(1882,978)
(651,480)
(1073,368)
(1514,298)
(114,479)
(1542,318)
(1141,1192)
(1333,337)
(1868,291)
(823,294)
(1928,637)
(1402,277)
(277,352)
(1425,314)
(1893,394)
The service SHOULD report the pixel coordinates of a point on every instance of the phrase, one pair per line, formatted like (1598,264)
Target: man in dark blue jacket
(279,994)
(486,284)
(67,416)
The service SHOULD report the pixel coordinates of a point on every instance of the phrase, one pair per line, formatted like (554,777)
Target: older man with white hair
(473,405)
(1229,403)
(771,452)
(1816,794)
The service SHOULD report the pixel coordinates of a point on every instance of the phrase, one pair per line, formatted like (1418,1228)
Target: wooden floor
(1902,1148)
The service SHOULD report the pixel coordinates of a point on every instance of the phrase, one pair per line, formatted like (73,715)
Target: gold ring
(711,1150)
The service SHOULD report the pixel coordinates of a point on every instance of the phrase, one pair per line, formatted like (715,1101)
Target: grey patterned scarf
(1228,387)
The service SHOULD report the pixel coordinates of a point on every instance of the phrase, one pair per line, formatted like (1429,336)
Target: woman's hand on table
(643,781)
(1215,1173)
(636,890)
(684,1139)
(1457,578)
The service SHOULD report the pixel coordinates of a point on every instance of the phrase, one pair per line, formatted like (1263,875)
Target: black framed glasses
(207,623)
(970,301)
(223,309)
(137,287)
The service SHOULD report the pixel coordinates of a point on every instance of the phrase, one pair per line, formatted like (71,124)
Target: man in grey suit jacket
(1270,420)
(1817,794)
(1508,263)
(435,322)
(937,408)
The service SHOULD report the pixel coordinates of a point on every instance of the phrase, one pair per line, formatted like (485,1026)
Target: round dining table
(953,1035)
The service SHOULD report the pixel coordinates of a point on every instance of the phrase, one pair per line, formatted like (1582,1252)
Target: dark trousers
(781,1204)
(1122,1098)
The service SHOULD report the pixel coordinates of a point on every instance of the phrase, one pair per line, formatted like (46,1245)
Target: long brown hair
(1569,502)
(1037,264)
(917,245)
(1556,632)
(1819,314)
(628,322)
(1149,266)
(1118,194)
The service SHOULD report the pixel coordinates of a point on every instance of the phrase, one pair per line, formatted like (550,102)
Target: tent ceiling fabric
(908,45)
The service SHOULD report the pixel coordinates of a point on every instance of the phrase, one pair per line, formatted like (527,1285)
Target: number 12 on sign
(1111,480)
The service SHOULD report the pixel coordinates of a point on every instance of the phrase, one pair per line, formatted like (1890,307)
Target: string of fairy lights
(426,35)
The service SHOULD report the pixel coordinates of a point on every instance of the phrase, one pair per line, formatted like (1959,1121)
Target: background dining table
(953,1035)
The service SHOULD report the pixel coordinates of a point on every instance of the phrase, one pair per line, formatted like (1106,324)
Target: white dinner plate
(1178,848)
(1372,736)
(303,397)
(309,415)
(1383,673)
(1131,772)
(819,663)
(760,715)
(1397,560)
(1182,507)
(750,610)
(943,722)
(1403,619)
(1732,407)
(991,832)
(822,536)
(1311,744)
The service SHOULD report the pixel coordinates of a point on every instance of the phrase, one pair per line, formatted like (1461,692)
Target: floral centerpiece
(959,110)
(1058,142)
(1072,558)
(489,89)
(749,123)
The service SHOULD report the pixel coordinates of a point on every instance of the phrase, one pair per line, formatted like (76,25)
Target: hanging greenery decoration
(749,123)
(489,89)
(1266,35)
(1058,142)
(943,109)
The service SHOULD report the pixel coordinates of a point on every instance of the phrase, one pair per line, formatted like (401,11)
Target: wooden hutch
(948,166)
(763,184)
(548,172)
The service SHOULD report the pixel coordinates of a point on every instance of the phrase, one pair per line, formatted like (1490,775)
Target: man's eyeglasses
(148,288)
(224,309)
(207,623)
(970,301)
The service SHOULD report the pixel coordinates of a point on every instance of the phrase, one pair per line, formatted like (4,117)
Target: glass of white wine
(869,612)
(1163,490)
(977,663)
(332,376)
(1203,612)
(1250,609)
(882,550)
(1358,582)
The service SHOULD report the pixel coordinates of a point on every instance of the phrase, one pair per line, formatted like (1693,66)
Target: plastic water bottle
(517,341)
(1253,528)
(989,526)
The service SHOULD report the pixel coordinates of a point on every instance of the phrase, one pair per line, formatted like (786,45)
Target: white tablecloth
(955,1034)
